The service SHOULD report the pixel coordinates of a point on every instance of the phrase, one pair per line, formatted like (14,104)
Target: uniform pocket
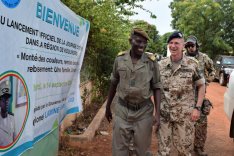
(123,74)
(174,89)
(165,79)
(122,71)
(185,74)
(186,81)
(145,83)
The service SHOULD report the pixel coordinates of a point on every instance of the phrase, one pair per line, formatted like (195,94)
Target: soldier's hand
(156,123)
(210,78)
(108,114)
(213,77)
(195,115)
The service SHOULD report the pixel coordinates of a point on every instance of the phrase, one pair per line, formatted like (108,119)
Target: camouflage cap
(139,31)
(5,88)
(190,39)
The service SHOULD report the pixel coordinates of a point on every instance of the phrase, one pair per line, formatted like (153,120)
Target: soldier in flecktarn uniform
(205,63)
(180,75)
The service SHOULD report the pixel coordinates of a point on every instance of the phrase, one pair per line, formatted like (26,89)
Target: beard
(192,53)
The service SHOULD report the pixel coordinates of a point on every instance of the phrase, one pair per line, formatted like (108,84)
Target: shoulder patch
(122,53)
(150,56)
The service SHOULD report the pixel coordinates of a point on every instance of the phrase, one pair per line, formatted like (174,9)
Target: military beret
(176,34)
(140,32)
(5,88)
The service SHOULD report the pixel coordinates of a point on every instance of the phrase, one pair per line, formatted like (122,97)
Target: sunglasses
(190,45)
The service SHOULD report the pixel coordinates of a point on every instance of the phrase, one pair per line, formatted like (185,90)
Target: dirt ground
(218,142)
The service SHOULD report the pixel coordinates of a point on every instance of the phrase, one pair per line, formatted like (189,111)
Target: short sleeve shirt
(178,94)
(135,84)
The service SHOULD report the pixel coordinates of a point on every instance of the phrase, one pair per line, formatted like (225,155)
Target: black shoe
(200,151)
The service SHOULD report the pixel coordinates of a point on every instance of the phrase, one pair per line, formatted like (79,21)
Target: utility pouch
(206,106)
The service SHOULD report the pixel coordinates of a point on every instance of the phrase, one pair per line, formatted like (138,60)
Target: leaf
(211,23)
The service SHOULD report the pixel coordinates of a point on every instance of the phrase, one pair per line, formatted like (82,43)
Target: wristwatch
(198,108)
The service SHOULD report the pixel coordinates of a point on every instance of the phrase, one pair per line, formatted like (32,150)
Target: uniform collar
(140,63)
(143,58)
(182,63)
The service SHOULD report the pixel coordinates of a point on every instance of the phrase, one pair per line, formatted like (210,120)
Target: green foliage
(153,45)
(163,43)
(210,21)
(97,100)
(84,97)
(108,35)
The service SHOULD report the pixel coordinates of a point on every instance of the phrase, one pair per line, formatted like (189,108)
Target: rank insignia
(122,53)
(151,57)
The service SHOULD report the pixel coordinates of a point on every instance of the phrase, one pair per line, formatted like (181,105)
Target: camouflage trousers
(180,133)
(200,131)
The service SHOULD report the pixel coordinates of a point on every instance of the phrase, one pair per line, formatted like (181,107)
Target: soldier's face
(4,103)
(138,43)
(191,47)
(176,46)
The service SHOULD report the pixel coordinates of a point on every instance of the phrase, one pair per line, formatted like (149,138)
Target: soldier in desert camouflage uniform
(180,75)
(204,62)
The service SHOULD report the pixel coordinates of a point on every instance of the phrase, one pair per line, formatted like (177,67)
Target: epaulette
(164,58)
(122,53)
(150,56)
(11,113)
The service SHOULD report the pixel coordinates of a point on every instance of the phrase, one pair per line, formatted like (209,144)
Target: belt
(134,107)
